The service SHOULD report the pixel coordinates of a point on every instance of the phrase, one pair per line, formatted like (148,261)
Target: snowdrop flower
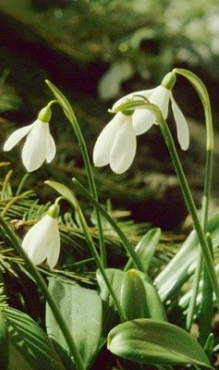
(160,96)
(116,144)
(42,241)
(39,145)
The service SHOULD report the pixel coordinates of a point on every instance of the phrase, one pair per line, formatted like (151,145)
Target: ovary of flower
(116,144)
(143,119)
(38,147)
(42,241)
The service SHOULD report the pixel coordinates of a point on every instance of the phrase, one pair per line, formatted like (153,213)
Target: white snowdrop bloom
(116,144)
(143,119)
(42,241)
(39,145)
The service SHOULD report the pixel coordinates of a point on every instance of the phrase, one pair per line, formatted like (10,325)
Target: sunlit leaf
(155,343)
(82,309)
(146,248)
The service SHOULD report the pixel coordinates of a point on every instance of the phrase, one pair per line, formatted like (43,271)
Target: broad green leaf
(82,309)
(146,248)
(136,293)
(154,342)
(110,316)
(4,342)
(30,347)
(155,306)
(133,297)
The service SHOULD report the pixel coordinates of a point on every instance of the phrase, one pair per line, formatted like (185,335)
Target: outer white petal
(104,143)
(161,97)
(34,150)
(142,121)
(54,245)
(42,240)
(181,125)
(50,147)
(145,93)
(124,147)
(34,241)
(16,136)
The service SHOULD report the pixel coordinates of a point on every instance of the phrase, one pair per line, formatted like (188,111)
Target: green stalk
(42,285)
(82,145)
(129,248)
(203,95)
(189,201)
(206,311)
(97,258)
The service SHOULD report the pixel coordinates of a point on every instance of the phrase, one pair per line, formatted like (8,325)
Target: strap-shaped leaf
(155,342)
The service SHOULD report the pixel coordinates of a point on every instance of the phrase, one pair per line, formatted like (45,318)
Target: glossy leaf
(110,316)
(155,343)
(82,309)
(133,297)
(155,306)
(146,248)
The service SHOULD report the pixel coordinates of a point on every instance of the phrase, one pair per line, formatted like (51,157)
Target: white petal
(53,247)
(50,147)
(136,95)
(181,125)
(124,148)
(104,143)
(142,121)
(34,150)
(161,97)
(42,240)
(16,136)
(34,241)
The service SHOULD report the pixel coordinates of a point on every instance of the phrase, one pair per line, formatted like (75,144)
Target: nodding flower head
(116,144)
(39,145)
(42,241)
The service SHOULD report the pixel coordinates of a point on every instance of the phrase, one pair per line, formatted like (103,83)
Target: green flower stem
(206,310)
(189,202)
(129,248)
(42,285)
(97,258)
(76,127)
(204,97)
